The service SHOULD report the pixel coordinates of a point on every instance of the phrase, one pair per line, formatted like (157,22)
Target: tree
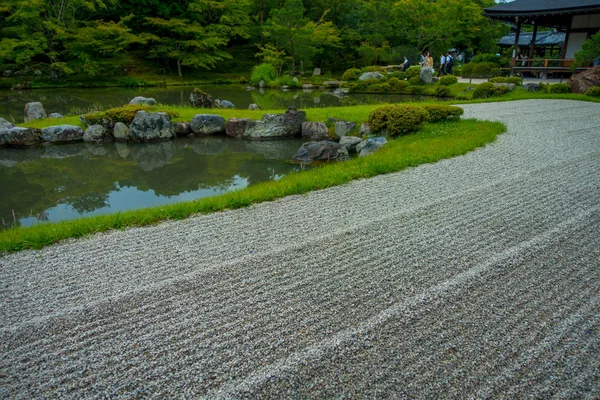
(300,37)
(590,51)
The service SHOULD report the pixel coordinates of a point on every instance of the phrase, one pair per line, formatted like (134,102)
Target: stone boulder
(317,72)
(105,122)
(20,137)
(314,131)
(226,104)
(198,98)
(121,132)
(237,126)
(583,81)
(183,129)
(371,75)
(277,125)
(364,130)
(426,75)
(350,143)
(370,146)
(55,115)
(145,101)
(253,107)
(5,125)
(97,133)
(151,127)
(341,92)
(532,87)
(207,124)
(34,111)
(343,128)
(323,150)
(62,133)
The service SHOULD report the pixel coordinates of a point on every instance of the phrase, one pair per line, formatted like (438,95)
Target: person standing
(421,60)
(449,64)
(429,62)
(405,64)
(442,65)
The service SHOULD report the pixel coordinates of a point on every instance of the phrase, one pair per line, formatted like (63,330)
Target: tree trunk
(179,66)
(293,58)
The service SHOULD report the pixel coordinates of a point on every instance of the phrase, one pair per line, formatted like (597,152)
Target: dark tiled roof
(526,7)
(548,38)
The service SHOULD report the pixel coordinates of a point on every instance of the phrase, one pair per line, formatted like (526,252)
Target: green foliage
(415,90)
(438,112)
(490,58)
(374,68)
(414,71)
(515,80)
(480,70)
(263,72)
(399,75)
(499,90)
(285,81)
(559,88)
(483,90)
(442,91)
(448,80)
(351,74)
(397,85)
(594,91)
(415,80)
(126,114)
(590,50)
(397,120)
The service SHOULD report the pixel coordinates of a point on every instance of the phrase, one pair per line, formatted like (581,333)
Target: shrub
(383,87)
(359,86)
(480,70)
(448,80)
(516,80)
(594,91)
(559,88)
(125,114)
(438,112)
(483,90)
(490,58)
(415,80)
(397,120)
(500,90)
(263,72)
(399,75)
(413,71)
(442,91)
(351,74)
(397,85)
(414,89)
(374,68)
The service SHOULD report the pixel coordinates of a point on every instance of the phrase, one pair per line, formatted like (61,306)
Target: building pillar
(516,47)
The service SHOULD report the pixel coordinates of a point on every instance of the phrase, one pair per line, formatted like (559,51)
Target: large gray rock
(226,104)
(207,124)
(426,75)
(151,127)
(364,130)
(34,111)
(253,107)
(583,81)
(183,129)
(237,126)
(62,133)
(533,87)
(314,131)
(370,146)
(105,122)
(55,115)
(97,133)
(20,137)
(343,128)
(199,98)
(350,143)
(146,101)
(324,150)
(5,125)
(371,75)
(121,132)
(317,72)
(277,125)
(341,92)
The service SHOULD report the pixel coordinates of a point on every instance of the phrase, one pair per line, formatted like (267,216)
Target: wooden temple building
(577,19)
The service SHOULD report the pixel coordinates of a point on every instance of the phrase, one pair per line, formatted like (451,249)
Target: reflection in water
(73,101)
(58,182)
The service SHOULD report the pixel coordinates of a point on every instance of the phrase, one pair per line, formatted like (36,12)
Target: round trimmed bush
(397,120)
(397,85)
(438,112)
(559,88)
(448,80)
(414,71)
(516,80)
(483,90)
(351,74)
(442,91)
(594,91)
(415,80)
(374,68)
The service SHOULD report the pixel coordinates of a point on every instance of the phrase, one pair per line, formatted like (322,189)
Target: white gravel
(475,277)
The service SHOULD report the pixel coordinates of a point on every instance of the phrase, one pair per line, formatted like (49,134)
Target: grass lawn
(432,143)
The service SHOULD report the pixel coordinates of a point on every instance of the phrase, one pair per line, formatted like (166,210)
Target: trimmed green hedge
(397,120)
(124,114)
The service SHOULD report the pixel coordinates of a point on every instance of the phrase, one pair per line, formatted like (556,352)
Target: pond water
(61,182)
(73,101)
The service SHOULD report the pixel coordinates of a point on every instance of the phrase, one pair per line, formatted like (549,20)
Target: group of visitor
(446,63)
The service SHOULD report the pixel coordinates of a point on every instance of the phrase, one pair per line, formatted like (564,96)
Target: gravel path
(475,277)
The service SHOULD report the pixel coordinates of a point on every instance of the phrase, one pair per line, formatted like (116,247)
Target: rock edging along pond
(147,127)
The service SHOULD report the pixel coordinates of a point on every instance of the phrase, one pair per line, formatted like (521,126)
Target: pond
(74,101)
(61,182)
